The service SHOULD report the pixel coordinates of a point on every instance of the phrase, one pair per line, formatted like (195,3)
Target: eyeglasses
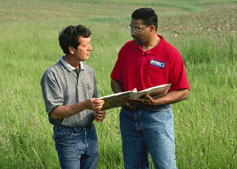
(136,29)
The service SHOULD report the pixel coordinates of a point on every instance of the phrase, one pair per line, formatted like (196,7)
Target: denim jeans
(148,130)
(77,147)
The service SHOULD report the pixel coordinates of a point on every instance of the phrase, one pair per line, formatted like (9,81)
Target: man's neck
(70,60)
(153,42)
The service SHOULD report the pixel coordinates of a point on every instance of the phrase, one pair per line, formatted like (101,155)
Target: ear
(153,28)
(71,50)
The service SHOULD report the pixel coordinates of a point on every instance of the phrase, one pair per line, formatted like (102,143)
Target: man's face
(83,50)
(139,31)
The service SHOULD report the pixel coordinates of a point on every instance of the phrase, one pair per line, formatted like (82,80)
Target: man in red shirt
(146,61)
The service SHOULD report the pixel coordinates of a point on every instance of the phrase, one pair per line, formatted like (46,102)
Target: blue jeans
(148,130)
(77,147)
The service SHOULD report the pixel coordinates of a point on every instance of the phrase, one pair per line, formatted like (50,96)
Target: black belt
(75,128)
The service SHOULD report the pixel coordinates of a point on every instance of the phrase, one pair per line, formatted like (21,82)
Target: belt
(76,128)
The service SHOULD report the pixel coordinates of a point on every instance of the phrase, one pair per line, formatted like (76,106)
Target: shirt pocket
(155,74)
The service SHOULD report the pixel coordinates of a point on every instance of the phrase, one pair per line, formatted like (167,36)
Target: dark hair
(148,16)
(70,36)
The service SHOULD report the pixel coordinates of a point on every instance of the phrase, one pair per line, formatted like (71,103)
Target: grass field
(205,33)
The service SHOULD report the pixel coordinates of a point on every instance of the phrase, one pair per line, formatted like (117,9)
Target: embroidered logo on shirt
(157,63)
(88,86)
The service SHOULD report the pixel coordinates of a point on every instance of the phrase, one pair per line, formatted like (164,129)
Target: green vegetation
(203,31)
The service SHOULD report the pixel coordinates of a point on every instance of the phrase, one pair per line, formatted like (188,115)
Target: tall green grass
(203,31)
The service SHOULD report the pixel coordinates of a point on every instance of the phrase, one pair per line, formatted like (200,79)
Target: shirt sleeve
(178,77)
(118,66)
(95,95)
(52,94)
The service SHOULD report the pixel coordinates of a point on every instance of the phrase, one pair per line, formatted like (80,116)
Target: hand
(94,104)
(134,104)
(150,100)
(99,116)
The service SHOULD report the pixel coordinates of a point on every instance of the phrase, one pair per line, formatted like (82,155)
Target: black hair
(147,15)
(70,36)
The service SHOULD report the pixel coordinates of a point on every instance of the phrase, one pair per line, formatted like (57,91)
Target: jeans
(77,147)
(148,130)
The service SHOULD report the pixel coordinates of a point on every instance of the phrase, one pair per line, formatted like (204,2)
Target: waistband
(58,127)
(137,107)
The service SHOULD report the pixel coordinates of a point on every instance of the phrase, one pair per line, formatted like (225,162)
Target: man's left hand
(99,115)
(148,100)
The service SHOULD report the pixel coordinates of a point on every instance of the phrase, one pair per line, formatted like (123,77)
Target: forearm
(116,86)
(68,110)
(93,104)
(171,97)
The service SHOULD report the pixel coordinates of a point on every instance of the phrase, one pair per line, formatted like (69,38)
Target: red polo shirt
(160,65)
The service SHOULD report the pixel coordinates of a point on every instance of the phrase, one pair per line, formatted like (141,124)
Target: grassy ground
(203,31)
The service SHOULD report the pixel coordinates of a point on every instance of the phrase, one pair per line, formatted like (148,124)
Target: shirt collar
(68,66)
(154,49)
